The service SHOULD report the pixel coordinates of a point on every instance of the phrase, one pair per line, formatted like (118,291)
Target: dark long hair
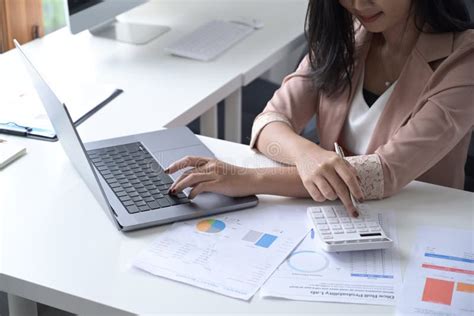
(330,34)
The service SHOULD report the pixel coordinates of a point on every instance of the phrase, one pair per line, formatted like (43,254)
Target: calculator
(340,232)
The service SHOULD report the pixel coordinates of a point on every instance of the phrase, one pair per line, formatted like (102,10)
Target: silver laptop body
(165,146)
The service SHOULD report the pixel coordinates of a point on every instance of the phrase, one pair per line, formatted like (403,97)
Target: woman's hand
(211,175)
(326,176)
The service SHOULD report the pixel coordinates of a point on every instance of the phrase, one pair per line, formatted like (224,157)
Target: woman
(391,81)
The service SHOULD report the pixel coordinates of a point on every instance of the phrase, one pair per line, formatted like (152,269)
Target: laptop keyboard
(136,177)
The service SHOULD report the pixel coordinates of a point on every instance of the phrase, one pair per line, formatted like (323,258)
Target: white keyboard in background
(210,40)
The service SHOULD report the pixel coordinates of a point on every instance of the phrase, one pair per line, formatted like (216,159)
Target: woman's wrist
(283,181)
(307,150)
(255,180)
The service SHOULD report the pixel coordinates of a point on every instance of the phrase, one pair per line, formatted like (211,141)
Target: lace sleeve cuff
(263,120)
(369,170)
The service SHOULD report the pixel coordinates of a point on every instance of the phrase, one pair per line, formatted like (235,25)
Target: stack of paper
(363,277)
(232,254)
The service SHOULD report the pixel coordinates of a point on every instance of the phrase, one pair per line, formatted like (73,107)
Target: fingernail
(167,170)
(355,214)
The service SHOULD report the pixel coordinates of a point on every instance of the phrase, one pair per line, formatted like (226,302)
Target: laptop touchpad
(167,157)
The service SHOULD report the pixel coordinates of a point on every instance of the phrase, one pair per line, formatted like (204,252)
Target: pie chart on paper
(210,226)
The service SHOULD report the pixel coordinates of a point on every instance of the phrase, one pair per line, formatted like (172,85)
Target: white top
(362,119)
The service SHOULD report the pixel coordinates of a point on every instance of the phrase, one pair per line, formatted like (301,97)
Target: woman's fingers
(190,180)
(181,177)
(342,192)
(325,188)
(200,188)
(188,161)
(350,179)
(314,191)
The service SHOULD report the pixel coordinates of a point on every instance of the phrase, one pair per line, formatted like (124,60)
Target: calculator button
(357,220)
(345,219)
(363,230)
(317,215)
(346,226)
(372,224)
(375,229)
(350,231)
(335,226)
(360,225)
(320,221)
(338,231)
(329,213)
(323,227)
(327,237)
(325,232)
(341,212)
(333,221)
(315,210)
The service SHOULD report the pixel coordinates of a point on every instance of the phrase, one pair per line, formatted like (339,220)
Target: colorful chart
(260,239)
(438,291)
(210,226)
(266,241)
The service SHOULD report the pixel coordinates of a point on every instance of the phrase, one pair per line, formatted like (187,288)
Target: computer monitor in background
(99,17)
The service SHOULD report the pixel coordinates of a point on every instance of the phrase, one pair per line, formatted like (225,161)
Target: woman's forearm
(283,181)
(285,148)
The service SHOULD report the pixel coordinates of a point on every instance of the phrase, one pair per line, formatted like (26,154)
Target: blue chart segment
(266,241)
(259,239)
(372,276)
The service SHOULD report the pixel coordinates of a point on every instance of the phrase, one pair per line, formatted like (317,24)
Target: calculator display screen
(370,235)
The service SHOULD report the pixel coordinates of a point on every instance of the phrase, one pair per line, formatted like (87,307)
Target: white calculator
(339,232)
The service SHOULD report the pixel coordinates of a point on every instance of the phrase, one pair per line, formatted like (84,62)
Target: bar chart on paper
(232,254)
(440,277)
(447,291)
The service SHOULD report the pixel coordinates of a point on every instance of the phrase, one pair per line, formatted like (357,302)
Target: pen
(340,153)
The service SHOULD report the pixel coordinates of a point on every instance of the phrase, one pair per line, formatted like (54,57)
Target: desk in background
(163,90)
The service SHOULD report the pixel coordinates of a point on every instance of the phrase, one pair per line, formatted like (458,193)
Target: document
(362,277)
(439,279)
(232,253)
(24,107)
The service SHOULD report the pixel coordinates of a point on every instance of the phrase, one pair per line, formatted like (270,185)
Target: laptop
(125,174)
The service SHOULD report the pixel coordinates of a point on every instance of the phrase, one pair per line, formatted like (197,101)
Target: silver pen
(340,153)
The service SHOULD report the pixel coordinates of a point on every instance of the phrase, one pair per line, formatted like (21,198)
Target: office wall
(284,67)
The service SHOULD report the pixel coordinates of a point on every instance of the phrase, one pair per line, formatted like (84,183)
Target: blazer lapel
(410,86)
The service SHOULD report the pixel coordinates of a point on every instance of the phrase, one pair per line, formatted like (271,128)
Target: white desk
(58,247)
(160,89)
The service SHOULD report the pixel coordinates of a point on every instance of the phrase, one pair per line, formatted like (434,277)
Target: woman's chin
(374,27)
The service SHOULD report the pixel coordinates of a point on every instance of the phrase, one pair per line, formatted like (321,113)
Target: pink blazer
(423,132)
